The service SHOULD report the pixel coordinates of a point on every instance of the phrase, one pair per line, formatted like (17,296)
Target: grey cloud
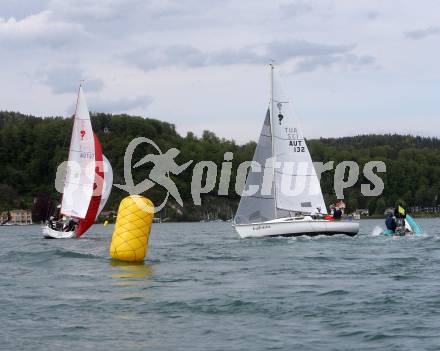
(154,57)
(180,55)
(312,63)
(17,9)
(188,56)
(422,33)
(41,30)
(93,10)
(362,60)
(347,60)
(285,50)
(116,18)
(65,79)
(245,55)
(372,15)
(120,105)
(295,8)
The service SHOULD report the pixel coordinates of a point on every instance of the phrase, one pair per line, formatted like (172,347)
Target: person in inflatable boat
(396,219)
(390,222)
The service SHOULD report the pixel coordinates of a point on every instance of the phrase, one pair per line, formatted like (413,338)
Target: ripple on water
(203,287)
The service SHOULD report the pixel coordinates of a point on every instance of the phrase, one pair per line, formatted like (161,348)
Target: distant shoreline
(415,215)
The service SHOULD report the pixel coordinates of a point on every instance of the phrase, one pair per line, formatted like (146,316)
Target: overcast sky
(350,67)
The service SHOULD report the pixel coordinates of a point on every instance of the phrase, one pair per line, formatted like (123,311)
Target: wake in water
(377,230)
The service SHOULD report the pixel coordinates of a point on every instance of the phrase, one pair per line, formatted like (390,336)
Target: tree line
(31,148)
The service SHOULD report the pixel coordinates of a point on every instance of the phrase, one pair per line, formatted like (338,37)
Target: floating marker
(132,229)
(105,223)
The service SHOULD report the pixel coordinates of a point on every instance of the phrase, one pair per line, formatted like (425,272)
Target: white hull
(50,233)
(296,227)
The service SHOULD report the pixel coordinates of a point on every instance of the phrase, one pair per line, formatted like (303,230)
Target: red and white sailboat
(88,181)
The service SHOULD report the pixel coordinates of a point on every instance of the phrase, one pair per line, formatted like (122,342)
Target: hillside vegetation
(31,149)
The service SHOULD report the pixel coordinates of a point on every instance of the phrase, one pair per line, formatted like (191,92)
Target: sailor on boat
(400,215)
(317,214)
(337,213)
(70,225)
(390,223)
(63,224)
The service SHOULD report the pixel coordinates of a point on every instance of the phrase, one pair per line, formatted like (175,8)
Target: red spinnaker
(92,212)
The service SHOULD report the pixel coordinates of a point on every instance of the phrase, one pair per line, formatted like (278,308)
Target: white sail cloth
(297,184)
(80,176)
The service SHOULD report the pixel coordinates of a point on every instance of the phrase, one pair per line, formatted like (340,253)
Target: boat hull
(309,227)
(49,233)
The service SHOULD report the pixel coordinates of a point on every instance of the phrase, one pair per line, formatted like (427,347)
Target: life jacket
(390,222)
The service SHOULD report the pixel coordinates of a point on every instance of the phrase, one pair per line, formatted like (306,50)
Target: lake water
(203,288)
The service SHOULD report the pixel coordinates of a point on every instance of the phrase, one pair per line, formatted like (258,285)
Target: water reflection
(131,273)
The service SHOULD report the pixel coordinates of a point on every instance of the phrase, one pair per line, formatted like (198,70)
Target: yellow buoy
(105,223)
(132,229)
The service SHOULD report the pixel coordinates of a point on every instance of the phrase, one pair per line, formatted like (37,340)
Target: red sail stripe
(86,223)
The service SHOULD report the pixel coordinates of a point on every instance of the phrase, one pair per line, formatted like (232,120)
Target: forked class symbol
(83,134)
(280,117)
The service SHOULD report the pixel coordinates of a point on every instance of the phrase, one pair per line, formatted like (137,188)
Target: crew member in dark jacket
(337,213)
(390,222)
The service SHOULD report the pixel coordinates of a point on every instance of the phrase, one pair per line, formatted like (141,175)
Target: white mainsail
(297,185)
(80,177)
(282,151)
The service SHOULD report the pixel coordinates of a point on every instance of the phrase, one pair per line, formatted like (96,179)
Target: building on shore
(363,211)
(425,209)
(360,212)
(20,217)
(4,217)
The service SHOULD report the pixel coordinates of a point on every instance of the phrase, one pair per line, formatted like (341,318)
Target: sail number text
(296,144)
(87,155)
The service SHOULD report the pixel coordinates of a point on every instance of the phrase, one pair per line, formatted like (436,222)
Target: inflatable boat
(408,227)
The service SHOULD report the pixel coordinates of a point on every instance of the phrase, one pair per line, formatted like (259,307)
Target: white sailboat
(89,177)
(289,200)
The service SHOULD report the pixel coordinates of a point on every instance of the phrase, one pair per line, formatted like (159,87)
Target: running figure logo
(163,165)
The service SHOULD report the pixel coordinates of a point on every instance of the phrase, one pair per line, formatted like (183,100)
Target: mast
(74,115)
(271,133)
